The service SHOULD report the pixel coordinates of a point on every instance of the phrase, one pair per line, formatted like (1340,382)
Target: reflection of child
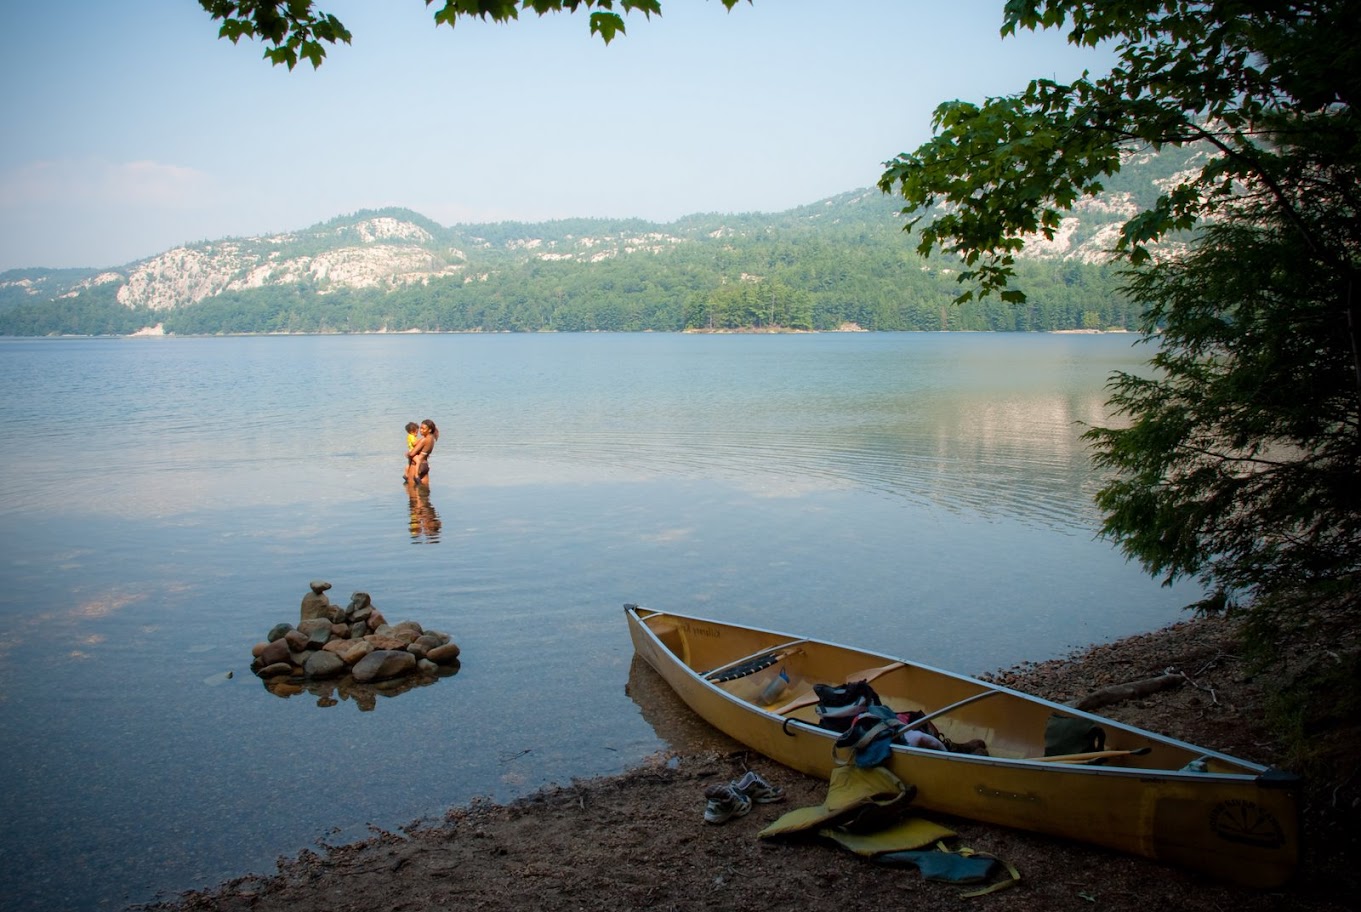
(411,438)
(425,522)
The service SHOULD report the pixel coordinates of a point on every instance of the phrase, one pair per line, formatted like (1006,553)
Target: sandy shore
(638,841)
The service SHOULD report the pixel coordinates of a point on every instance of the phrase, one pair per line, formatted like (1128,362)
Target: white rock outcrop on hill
(378,252)
(383,251)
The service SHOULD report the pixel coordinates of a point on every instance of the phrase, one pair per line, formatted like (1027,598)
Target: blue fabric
(946,867)
(876,752)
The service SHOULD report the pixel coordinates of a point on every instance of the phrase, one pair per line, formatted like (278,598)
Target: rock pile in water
(330,641)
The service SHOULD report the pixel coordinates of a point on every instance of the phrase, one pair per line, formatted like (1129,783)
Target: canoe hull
(1238,822)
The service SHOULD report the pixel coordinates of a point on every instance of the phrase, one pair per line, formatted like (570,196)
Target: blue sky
(131,128)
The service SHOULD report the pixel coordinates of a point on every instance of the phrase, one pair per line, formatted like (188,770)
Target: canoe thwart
(869,674)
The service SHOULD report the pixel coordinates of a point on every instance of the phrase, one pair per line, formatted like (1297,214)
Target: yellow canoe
(1146,794)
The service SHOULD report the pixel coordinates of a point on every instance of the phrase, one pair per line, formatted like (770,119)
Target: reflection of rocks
(355,643)
(333,691)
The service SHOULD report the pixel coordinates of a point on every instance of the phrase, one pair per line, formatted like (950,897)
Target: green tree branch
(296,30)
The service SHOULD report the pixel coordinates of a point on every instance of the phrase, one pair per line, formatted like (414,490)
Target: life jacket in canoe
(873,731)
(838,705)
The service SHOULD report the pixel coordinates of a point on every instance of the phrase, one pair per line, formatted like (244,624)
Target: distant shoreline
(158,332)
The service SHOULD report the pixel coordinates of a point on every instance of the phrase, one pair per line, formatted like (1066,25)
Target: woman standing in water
(420,453)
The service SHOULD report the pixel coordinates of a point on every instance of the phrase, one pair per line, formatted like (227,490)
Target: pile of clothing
(868,727)
(868,809)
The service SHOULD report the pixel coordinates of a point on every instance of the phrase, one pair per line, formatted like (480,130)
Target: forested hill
(839,261)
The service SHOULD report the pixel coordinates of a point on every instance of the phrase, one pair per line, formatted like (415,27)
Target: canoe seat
(673,638)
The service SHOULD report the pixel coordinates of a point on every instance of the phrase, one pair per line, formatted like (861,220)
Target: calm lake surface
(164,503)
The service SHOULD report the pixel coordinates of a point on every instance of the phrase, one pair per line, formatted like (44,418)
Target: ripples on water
(165,501)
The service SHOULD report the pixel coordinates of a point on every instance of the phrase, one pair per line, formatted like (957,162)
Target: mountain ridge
(389,254)
(390,247)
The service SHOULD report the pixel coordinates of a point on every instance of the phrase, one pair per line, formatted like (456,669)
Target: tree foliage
(296,30)
(814,283)
(1240,461)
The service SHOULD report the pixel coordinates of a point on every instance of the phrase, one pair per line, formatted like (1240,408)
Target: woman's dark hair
(434,431)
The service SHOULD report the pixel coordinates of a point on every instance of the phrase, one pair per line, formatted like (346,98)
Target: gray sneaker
(757,789)
(724,802)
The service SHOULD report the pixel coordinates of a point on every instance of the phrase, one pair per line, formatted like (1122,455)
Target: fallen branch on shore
(1119,693)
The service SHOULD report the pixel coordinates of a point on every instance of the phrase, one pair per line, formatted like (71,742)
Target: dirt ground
(638,841)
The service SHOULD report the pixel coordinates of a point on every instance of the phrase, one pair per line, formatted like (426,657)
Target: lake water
(164,502)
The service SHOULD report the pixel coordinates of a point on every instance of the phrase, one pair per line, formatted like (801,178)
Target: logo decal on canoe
(1247,823)
(703,630)
(1009,796)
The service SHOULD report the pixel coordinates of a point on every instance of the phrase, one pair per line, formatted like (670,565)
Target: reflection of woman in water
(420,453)
(425,522)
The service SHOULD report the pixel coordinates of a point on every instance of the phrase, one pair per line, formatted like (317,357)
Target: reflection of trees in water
(331,691)
(425,521)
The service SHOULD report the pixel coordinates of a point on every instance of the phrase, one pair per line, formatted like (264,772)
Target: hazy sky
(129,127)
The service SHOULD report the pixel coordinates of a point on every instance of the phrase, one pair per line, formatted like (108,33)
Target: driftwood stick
(1214,698)
(1119,693)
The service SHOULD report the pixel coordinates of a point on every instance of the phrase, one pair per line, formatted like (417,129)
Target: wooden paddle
(869,674)
(1093,755)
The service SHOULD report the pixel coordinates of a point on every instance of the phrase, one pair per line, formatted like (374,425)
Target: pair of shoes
(757,789)
(724,802)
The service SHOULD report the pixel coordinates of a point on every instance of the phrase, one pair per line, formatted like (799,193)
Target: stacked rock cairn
(330,641)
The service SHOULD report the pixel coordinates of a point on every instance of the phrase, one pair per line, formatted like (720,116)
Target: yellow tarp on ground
(866,813)
(871,795)
(912,833)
